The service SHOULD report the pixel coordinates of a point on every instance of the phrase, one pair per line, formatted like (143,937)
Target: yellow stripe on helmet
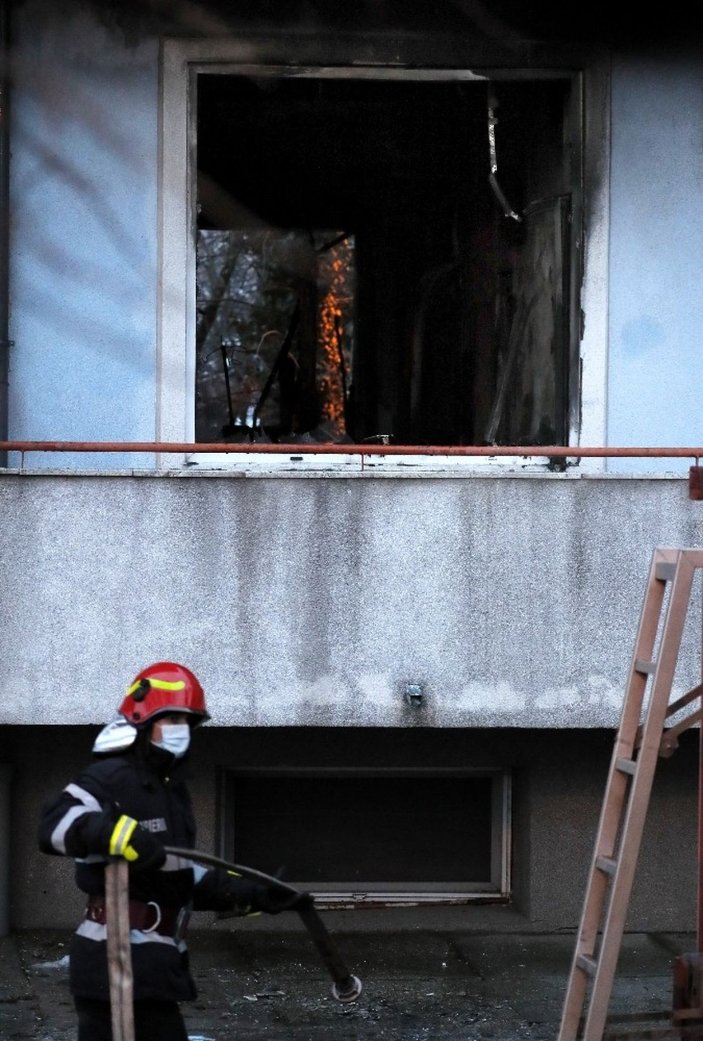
(158,685)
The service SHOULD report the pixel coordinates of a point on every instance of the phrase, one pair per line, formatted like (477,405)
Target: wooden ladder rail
(628,788)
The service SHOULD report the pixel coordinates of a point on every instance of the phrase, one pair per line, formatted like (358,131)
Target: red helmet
(161,688)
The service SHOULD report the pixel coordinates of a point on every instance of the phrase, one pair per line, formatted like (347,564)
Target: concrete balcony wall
(512,600)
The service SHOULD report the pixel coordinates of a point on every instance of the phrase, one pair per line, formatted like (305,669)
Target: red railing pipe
(193,448)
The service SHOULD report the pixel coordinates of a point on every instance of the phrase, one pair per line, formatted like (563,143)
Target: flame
(333,333)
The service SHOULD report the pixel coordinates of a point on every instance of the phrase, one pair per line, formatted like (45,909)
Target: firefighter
(132,801)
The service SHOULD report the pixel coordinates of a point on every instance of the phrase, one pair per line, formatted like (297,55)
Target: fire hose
(345,986)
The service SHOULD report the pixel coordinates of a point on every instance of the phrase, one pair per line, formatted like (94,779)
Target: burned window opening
(361,274)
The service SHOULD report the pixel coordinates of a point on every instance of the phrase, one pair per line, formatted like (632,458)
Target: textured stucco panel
(513,601)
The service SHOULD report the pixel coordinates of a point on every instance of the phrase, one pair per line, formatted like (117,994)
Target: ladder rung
(626,766)
(606,864)
(642,665)
(586,964)
(665,571)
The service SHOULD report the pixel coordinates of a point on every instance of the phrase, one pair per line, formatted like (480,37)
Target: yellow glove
(135,844)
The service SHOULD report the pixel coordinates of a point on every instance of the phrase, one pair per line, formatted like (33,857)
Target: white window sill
(355,464)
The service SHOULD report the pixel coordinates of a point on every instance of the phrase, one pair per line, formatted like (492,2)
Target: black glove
(137,845)
(223,891)
(273,899)
(227,891)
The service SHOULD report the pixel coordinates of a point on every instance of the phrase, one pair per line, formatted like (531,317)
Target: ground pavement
(418,985)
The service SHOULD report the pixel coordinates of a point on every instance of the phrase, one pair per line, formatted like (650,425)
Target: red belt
(148,917)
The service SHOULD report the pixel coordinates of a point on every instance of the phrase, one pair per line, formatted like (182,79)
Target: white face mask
(175,738)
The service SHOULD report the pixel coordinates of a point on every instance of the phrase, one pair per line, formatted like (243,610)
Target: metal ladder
(640,740)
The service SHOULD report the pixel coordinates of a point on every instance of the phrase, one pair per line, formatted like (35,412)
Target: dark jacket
(147,784)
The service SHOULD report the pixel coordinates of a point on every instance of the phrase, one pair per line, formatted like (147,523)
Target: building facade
(300,301)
